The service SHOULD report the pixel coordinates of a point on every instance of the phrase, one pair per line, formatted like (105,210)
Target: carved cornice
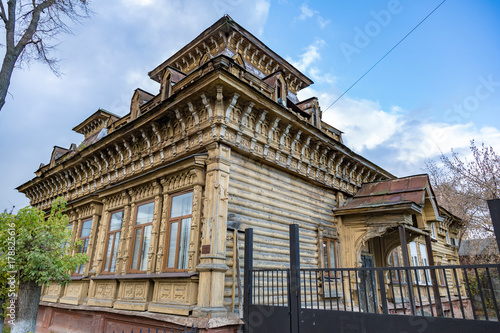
(215,112)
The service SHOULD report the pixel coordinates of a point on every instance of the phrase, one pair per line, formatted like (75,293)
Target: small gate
(368,299)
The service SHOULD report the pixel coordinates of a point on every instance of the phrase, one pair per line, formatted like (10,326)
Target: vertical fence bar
(459,292)
(400,273)
(435,287)
(478,280)
(493,293)
(420,295)
(449,295)
(470,293)
(406,259)
(383,295)
(295,295)
(248,277)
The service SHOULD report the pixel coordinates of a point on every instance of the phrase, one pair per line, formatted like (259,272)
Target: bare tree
(463,187)
(30,30)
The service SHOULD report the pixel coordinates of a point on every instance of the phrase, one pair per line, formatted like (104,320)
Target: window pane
(145,213)
(115,252)
(108,252)
(325,255)
(172,244)
(182,205)
(86,226)
(184,244)
(116,221)
(145,248)
(137,244)
(332,254)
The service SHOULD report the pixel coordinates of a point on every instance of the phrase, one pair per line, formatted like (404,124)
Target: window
(179,231)
(394,262)
(433,231)
(454,242)
(113,241)
(447,237)
(142,236)
(425,262)
(415,263)
(278,91)
(441,280)
(84,237)
(330,253)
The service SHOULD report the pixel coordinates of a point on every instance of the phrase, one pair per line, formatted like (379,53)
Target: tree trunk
(8,64)
(27,307)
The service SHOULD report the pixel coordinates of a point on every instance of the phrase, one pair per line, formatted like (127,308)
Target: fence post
(406,259)
(435,287)
(383,294)
(247,279)
(294,279)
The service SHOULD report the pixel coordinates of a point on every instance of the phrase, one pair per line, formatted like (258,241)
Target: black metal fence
(457,297)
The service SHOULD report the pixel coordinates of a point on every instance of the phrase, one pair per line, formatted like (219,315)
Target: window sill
(144,276)
(78,277)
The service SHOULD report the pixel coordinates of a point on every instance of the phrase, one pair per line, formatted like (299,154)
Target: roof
(94,122)
(223,27)
(407,190)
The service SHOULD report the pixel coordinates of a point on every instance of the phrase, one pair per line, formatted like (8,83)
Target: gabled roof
(227,29)
(95,122)
(390,193)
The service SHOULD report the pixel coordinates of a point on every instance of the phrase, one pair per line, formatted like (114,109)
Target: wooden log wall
(269,200)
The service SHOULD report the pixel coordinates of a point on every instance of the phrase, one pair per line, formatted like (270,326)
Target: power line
(385,55)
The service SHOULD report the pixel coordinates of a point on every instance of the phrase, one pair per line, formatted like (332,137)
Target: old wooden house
(160,197)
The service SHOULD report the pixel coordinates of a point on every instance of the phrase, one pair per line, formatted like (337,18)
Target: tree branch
(3,15)
(31,29)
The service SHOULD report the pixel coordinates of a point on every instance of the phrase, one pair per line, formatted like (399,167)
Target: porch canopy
(390,213)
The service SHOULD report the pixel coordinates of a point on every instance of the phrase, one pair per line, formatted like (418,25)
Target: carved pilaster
(157,214)
(212,265)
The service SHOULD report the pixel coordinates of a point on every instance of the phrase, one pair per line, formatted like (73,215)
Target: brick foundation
(59,318)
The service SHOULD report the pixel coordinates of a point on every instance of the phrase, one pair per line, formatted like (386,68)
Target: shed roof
(413,189)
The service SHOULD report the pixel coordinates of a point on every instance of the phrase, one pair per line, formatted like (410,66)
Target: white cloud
(323,22)
(315,74)
(392,138)
(108,57)
(311,55)
(306,12)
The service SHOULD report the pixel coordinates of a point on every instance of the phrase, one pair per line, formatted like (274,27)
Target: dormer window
(167,86)
(280,96)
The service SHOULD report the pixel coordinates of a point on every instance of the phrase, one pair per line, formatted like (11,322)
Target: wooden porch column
(406,260)
(212,266)
(435,287)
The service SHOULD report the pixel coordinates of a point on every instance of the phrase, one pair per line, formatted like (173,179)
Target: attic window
(433,231)
(167,87)
(279,92)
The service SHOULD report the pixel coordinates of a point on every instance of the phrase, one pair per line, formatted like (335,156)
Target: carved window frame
(134,229)
(168,222)
(325,243)
(106,240)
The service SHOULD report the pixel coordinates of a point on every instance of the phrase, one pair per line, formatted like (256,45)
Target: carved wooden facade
(227,128)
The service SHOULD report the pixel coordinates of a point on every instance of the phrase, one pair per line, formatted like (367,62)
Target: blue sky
(437,90)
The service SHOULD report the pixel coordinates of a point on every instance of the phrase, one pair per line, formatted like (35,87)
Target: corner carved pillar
(157,215)
(212,266)
(101,241)
(93,241)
